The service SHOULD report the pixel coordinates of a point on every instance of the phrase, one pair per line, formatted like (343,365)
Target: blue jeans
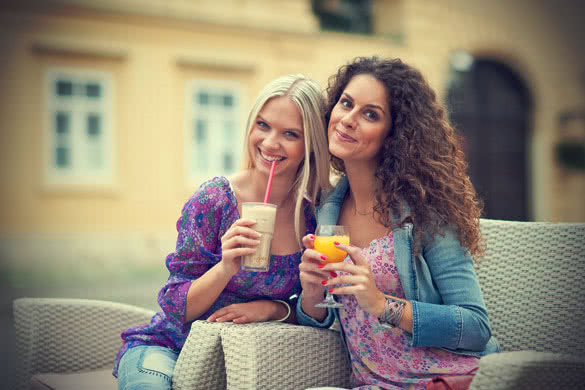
(147,367)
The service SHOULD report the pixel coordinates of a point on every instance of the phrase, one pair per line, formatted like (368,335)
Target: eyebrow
(291,129)
(367,105)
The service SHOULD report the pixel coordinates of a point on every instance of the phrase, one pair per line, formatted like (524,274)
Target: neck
(280,191)
(362,183)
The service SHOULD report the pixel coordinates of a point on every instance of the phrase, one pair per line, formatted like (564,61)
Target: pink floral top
(380,355)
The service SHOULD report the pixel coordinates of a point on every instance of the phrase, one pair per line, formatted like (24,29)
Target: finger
(235,252)
(346,290)
(244,222)
(345,267)
(227,317)
(243,319)
(212,318)
(354,280)
(313,268)
(312,256)
(217,313)
(309,241)
(312,278)
(355,254)
(239,241)
(240,231)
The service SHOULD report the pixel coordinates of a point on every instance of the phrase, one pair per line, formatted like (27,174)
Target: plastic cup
(264,214)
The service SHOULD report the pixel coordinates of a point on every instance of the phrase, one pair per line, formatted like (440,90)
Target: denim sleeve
(461,321)
(304,319)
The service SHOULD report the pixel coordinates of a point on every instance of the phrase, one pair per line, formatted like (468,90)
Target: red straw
(269,182)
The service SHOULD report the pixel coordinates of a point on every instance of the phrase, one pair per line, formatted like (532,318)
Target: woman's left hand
(359,283)
(243,313)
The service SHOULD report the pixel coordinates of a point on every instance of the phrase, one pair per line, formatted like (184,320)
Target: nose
(271,142)
(348,120)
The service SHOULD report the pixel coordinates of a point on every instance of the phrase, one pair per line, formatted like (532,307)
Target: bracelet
(393,311)
(287,307)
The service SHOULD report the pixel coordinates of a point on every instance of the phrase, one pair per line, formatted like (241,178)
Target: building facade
(113,112)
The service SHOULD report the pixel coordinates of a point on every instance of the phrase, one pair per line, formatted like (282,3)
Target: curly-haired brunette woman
(412,309)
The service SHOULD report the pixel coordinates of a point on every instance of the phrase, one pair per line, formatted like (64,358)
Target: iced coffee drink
(264,214)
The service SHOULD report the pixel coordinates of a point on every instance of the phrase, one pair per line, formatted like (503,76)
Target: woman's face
(278,135)
(360,120)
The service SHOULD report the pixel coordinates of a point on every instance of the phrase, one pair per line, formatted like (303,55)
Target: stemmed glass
(326,235)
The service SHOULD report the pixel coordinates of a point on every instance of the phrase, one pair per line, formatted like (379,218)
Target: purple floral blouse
(204,219)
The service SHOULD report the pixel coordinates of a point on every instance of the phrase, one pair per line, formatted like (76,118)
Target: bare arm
(239,240)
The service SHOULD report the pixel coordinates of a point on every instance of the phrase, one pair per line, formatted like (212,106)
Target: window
(214,131)
(351,16)
(79,127)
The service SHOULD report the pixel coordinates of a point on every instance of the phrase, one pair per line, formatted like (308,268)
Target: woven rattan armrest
(201,362)
(281,356)
(529,370)
(58,335)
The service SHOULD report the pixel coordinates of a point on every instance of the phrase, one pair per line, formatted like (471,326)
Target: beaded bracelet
(287,307)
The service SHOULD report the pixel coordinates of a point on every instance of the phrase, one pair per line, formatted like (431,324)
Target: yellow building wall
(152,55)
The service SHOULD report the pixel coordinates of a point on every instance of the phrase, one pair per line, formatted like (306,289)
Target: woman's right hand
(239,240)
(309,272)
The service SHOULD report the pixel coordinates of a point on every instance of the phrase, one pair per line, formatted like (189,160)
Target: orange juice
(324,245)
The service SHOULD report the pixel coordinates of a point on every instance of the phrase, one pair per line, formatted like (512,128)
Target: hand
(309,272)
(360,281)
(239,240)
(242,313)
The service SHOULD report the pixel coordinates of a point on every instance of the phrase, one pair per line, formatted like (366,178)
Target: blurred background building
(112,112)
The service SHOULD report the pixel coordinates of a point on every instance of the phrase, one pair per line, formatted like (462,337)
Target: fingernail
(323,257)
(321,265)
(330,290)
(312,236)
(335,243)
(323,282)
(333,274)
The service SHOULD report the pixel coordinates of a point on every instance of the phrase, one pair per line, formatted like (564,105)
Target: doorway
(491,107)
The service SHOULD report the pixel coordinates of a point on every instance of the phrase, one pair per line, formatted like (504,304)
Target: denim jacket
(448,310)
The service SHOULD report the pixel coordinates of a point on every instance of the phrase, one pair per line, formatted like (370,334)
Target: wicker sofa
(532,278)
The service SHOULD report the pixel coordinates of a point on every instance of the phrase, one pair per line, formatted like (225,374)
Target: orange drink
(324,245)
(325,236)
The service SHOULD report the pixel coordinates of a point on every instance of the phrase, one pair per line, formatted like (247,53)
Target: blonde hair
(313,177)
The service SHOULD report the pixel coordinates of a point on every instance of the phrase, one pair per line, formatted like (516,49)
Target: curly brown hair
(421,161)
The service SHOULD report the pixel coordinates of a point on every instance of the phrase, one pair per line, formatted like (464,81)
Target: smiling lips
(270,158)
(344,137)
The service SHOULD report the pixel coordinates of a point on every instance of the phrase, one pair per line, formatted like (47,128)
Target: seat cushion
(87,380)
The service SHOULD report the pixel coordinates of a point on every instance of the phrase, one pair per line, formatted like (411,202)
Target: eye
(291,134)
(372,115)
(262,125)
(346,103)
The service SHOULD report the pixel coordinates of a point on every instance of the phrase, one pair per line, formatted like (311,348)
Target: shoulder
(445,246)
(331,202)
(212,194)
(215,184)
(337,193)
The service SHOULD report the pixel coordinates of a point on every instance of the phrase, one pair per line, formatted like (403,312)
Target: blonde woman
(205,281)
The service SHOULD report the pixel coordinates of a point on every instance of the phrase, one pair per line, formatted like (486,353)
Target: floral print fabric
(381,357)
(206,216)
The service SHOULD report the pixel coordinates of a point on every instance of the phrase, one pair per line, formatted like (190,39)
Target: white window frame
(80,174)
(216,115)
